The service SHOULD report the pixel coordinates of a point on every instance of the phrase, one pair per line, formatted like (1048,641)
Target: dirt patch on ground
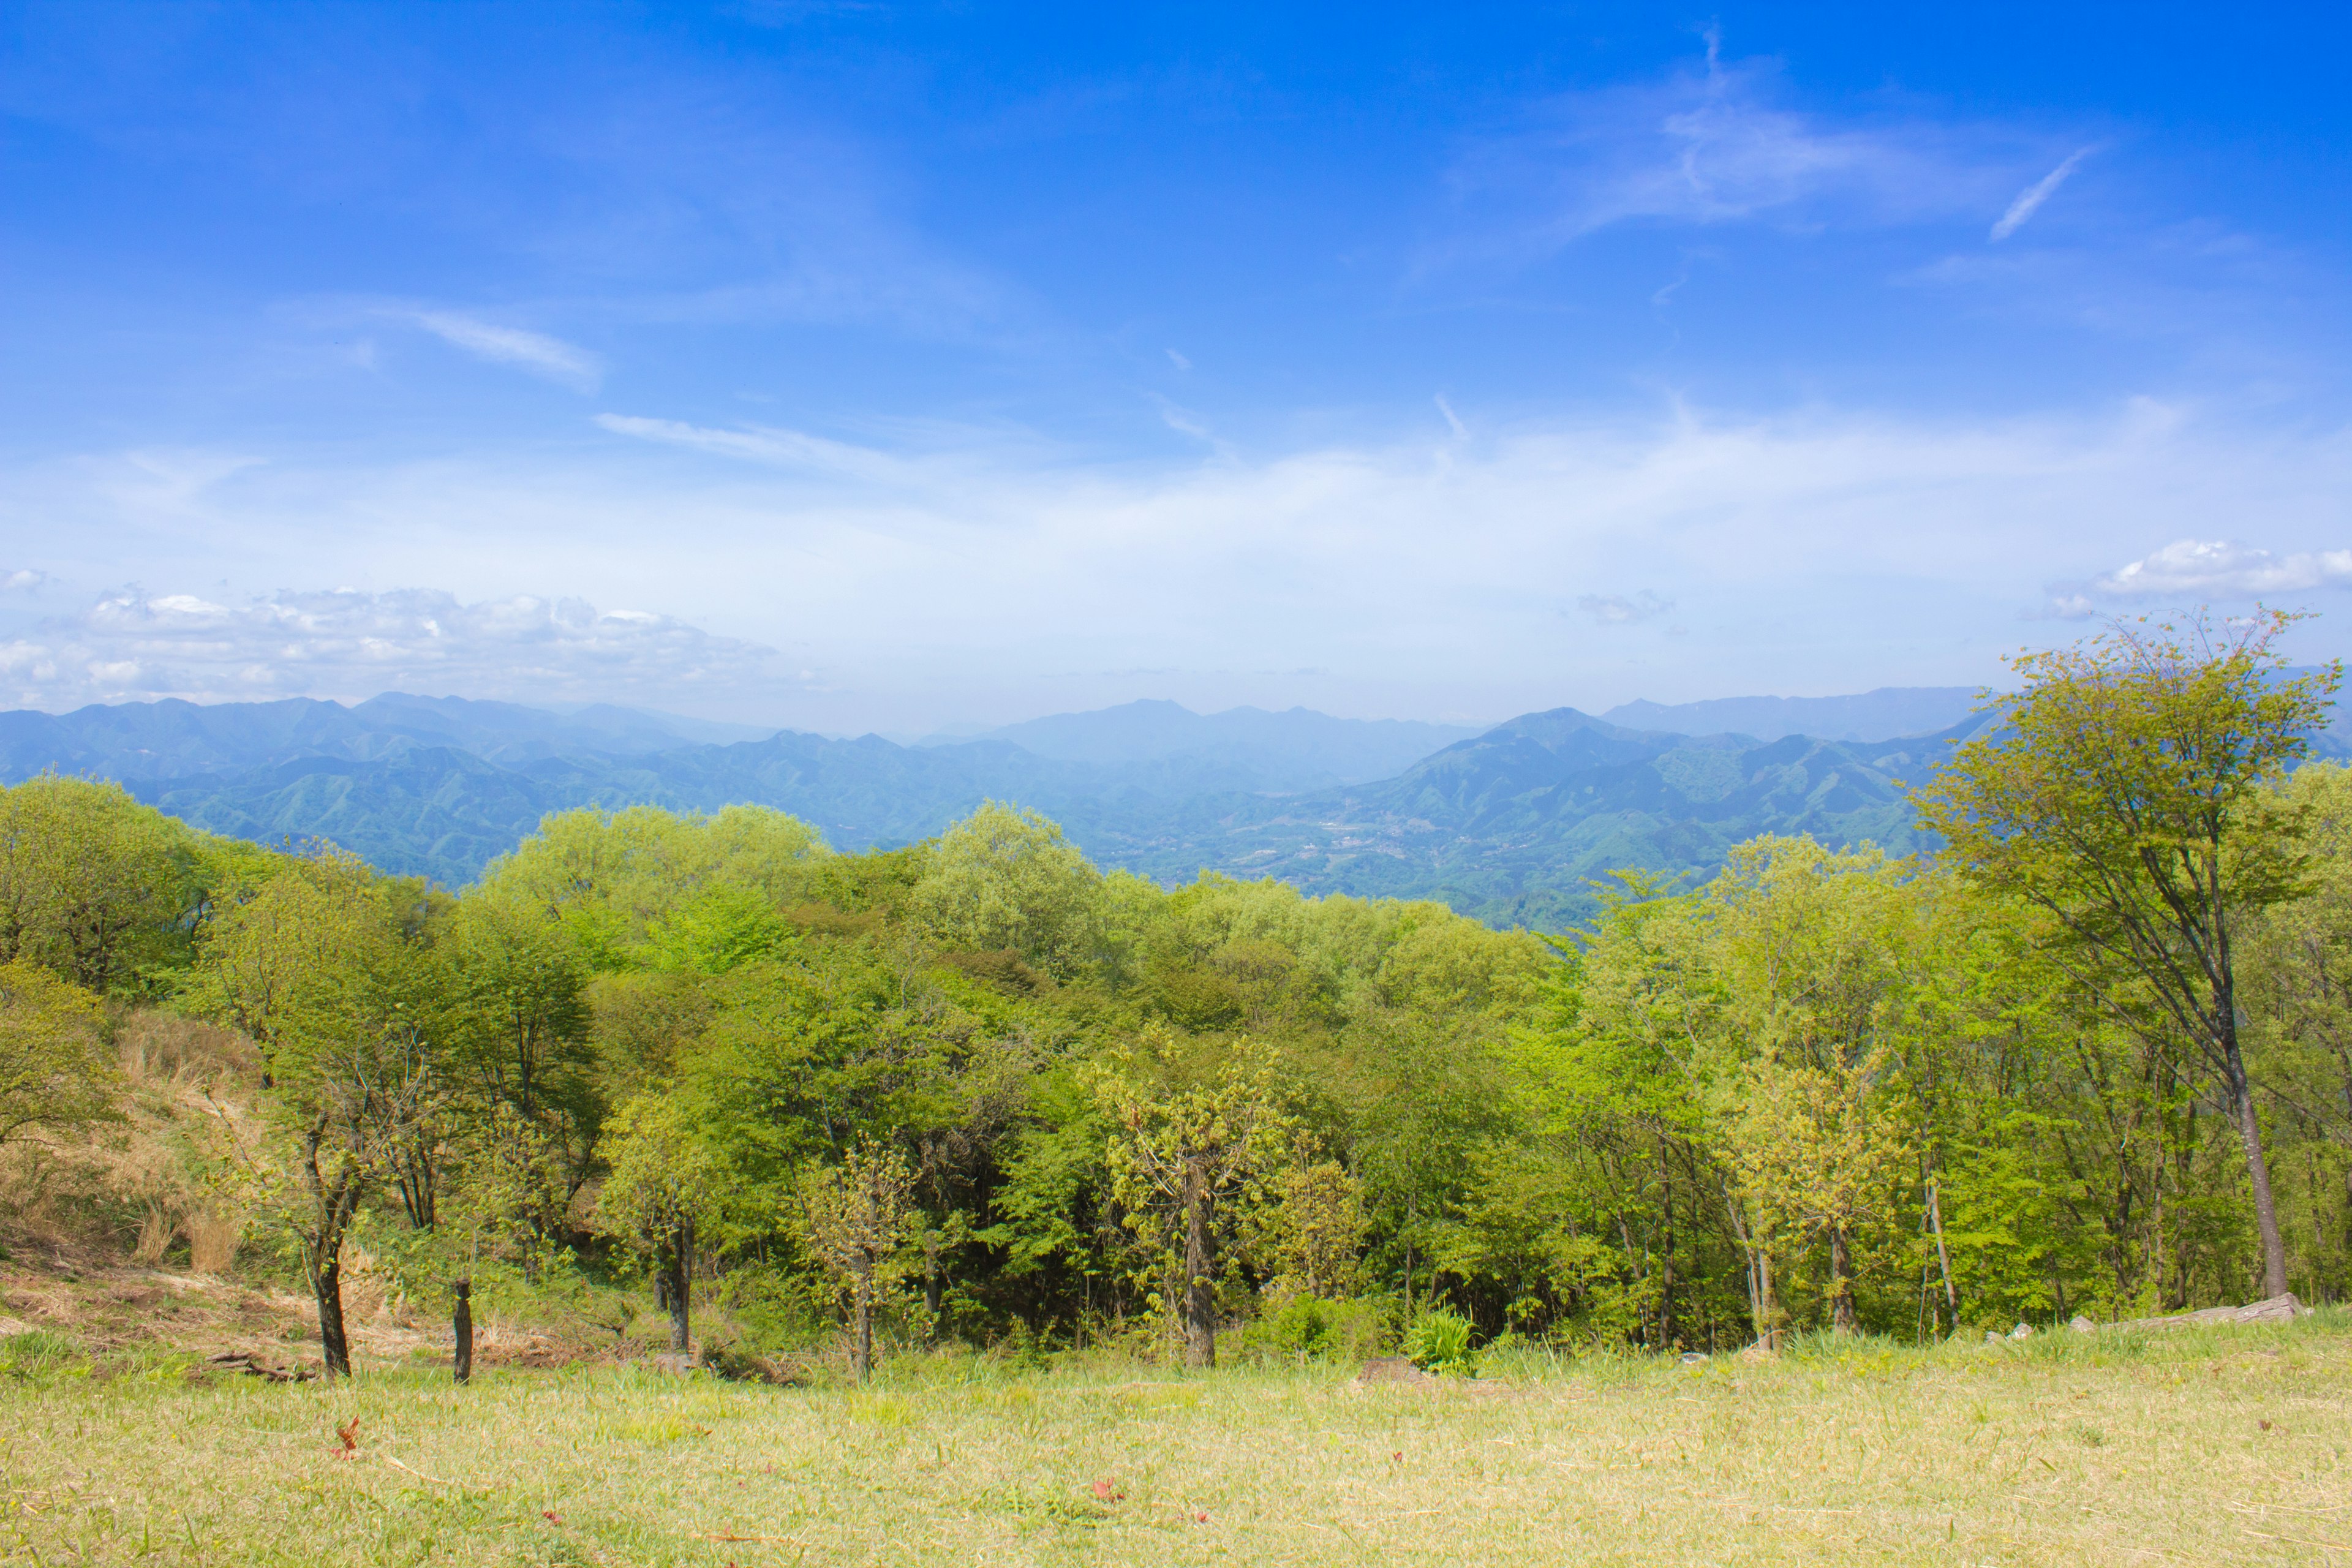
(117,1313)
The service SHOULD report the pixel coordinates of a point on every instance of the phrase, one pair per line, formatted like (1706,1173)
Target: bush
(1305,1327)
(1439,1341)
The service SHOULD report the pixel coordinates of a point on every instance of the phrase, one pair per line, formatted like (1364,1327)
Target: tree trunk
(461,1327)
(1200,1304)
(1667,1339)
(674,1270)
(1841,1283)
(862,1305)
(2249,1134)
(1943,1258)
(334,1345)
(332,1205)
(934,1283)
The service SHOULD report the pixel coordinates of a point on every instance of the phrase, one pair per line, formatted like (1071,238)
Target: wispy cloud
(764,444)
(1178,360)
(1719,147)
(133,645)
(2221,570)
(1729,144)
(2029,201)
(1617,610)
(551,358)
(1452,418)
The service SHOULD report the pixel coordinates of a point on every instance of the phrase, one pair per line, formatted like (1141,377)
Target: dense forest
(2095,1055)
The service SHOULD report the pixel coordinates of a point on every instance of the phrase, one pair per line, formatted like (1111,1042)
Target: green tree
(56,1071)
(1187,1165)
(666,1189)
(327,965)
(93,884)
(853,1216)
(2114,793)
(1006,879)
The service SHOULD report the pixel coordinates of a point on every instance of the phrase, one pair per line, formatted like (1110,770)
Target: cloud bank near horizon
(345,645)
(900,586)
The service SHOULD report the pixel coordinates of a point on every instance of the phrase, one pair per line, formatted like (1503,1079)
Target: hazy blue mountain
(1885,714)
(1277,753)
(1511,825)
(172,739)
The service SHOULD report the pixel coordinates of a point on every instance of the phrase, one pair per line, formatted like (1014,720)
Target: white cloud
(551,358)
(347,644)
(1723,146)
(2218,569)
(1452,418)
(1178,360)
(2029,201)
(948,574)
(765,445)
(23,580)
(1617,610)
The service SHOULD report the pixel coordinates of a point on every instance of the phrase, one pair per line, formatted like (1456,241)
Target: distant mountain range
(1288,751)
(1889,713)
(1508,824)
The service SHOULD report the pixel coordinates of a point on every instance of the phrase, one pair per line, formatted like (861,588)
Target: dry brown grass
(134,1187)
(2110,1449)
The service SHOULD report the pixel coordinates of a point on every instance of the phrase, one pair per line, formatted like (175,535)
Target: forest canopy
(2093,1058)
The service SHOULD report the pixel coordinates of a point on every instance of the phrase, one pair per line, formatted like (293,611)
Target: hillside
(1510,826)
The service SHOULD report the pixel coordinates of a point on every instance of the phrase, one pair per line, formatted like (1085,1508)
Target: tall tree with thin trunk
(348,1017)
(855,1213)
(2117,793)
(1183,1164)
(664,1194)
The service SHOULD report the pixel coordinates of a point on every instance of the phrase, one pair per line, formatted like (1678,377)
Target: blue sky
(892,366)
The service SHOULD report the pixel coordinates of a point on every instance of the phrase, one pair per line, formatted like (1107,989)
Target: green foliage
(996,1097)
(57,1072)
(1005,879)
(1306,1327)
(99,889)
(1438,1341)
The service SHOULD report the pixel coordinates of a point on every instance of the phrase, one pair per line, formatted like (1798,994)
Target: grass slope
(2111,1449)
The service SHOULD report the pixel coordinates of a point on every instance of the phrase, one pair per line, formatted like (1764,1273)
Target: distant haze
(1889,713)
(1299,749)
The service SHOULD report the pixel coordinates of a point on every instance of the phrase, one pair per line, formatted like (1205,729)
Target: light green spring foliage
(2119,799)
(663,1177)
(1721,1109)
(58,1074)
(1005,879)
(613,876)
(101,889)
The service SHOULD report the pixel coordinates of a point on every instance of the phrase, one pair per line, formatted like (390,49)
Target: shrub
(1439,1341)
(1303,1326)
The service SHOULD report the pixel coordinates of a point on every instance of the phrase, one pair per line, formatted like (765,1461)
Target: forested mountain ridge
(171,738)
(1887,713)
(1511,824)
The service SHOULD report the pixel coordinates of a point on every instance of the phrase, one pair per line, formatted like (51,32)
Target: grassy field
(2214,1446)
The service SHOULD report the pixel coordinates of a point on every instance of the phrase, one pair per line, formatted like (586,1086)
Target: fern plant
(1439,1341)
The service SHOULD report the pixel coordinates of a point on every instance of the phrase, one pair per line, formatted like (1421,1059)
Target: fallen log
(2275,1310)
